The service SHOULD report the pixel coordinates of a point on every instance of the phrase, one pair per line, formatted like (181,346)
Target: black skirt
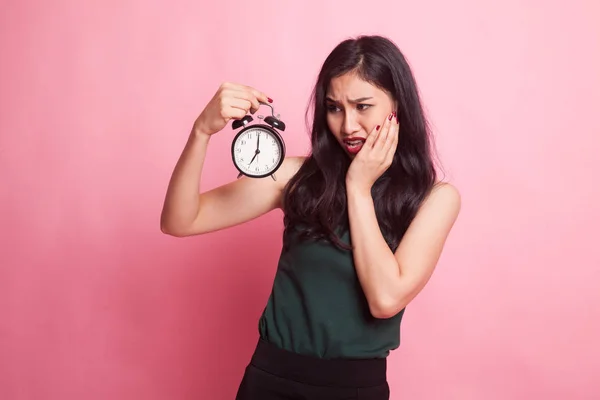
(276,374)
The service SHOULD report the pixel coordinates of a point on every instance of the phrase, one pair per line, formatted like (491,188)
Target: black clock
(258,150)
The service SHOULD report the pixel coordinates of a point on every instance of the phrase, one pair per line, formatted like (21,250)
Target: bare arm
(189,211)
(181,203)
(391,280)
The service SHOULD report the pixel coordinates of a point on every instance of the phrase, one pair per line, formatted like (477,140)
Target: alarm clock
(258,149)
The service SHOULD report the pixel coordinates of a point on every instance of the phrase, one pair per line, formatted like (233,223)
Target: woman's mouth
(354,145)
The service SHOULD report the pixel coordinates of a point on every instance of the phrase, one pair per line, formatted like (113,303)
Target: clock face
(257,152)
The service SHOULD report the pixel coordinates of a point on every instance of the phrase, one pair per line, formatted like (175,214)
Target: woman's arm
(189,211)
(391,280)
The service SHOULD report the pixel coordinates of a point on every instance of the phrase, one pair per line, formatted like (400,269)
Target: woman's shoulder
(294,162)
(289,167)
(444,196)
(446,190)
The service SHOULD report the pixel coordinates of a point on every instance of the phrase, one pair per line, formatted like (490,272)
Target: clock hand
(257,149)
(255,154)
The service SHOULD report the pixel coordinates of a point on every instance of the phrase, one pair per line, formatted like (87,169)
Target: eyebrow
(350,101)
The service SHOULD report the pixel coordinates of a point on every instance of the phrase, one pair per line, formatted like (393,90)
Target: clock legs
(272,176)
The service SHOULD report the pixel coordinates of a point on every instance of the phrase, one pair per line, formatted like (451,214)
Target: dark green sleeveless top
(317,306)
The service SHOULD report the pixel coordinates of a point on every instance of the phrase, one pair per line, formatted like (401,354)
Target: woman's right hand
(231,101)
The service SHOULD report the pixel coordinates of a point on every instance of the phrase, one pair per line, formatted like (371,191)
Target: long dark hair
(315,198)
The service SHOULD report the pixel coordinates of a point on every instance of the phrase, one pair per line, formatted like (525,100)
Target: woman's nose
(350,124)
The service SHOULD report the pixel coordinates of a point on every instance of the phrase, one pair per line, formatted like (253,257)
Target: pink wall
(96,102)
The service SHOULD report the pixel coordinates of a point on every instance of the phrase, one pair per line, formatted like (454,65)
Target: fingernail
(377,127)
(270,99)
(390,117)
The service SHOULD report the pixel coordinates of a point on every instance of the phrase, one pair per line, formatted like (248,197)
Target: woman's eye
(359,107)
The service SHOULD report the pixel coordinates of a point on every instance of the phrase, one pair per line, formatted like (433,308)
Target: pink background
(96,102)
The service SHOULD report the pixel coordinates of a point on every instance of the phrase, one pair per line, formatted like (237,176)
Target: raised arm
(189,211)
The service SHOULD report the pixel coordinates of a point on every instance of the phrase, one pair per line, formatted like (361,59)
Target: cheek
(378,118)
(333,125)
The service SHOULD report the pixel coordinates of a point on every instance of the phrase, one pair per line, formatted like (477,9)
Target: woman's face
(354,108)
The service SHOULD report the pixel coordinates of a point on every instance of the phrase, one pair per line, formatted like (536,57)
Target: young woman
(365,219)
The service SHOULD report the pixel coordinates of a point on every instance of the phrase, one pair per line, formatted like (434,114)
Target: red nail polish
(377,128)
(390,117)
(270,99)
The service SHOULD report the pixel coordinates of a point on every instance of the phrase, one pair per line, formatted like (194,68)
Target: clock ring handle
(272,109)
(273,120)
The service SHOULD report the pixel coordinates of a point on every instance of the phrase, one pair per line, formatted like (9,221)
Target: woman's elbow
(386,309)
(172,229)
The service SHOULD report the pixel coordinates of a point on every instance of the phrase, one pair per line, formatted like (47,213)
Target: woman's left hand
(376,155)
